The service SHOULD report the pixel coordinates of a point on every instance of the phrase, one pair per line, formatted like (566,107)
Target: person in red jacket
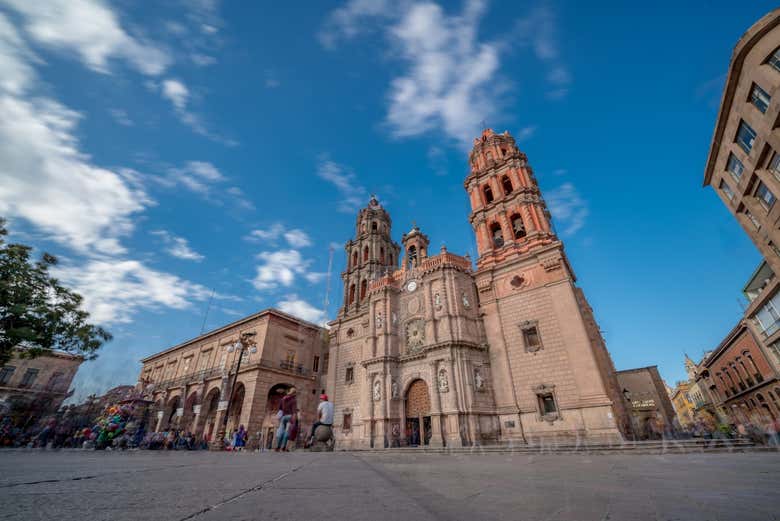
(288,406)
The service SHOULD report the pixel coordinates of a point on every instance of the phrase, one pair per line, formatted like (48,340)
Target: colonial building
(436,352)
(742,381)
(683,405)
(646,396)
(33,387)
(195,384)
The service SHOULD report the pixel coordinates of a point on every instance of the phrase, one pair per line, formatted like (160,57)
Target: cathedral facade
(428,349)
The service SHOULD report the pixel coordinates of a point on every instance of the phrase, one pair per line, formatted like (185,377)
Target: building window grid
(759,98)
(6,373)
(752,218)
(768,316)
(774,165)
(746,137)
(29,378)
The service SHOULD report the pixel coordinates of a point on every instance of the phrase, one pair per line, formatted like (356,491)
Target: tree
(37,313)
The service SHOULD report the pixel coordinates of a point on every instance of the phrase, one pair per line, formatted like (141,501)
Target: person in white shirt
(324,415)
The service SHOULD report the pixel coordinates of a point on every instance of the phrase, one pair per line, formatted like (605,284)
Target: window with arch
(363,289)
(518,228)
(365,254)
(506,184)
(496,235)
(382,254)
(354,258)
(756,373)
(351,293)
(411,255)
(374,226)
(748,379)
(488,193)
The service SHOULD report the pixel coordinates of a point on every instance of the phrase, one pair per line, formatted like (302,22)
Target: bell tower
(508,213)
(552,372)
(415,248)
(370,254)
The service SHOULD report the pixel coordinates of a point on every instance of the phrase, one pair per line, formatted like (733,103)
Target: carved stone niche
(551,263)
(529,329)
(545,392)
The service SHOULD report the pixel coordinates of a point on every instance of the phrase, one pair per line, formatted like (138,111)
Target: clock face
(411,286)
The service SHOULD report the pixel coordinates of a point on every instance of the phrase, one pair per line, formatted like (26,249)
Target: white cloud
(295,237)
(568,208)
(345,181)
(280,268)
(198,176)
(176,92)
(90,29)
(353,18)
(46,179)
(178,246)
(202,60)
(450,82)
(115,290)
(300,308)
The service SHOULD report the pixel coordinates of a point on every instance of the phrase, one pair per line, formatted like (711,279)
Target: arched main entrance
(189,414)
(417,404)
(170,420)
(236,405)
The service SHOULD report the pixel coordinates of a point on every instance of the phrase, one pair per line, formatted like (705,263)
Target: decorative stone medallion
(415,334)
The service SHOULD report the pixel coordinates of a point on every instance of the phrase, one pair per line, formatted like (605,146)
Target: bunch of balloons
(110,426)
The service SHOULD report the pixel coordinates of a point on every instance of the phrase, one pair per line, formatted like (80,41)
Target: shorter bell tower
(371,254)
(415,248)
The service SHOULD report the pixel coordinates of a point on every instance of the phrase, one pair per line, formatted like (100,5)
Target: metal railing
(281,365)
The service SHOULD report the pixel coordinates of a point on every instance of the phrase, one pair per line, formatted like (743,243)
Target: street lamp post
(242,345)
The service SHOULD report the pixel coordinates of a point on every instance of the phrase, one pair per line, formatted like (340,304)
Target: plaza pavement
(201,486)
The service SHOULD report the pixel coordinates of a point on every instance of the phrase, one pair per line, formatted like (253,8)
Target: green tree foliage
(37,313)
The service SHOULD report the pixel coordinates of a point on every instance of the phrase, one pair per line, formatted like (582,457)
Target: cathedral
(429,348)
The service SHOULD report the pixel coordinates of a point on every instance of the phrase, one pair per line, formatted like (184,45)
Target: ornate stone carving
(551,263)
(378,320)
(415,334)
(377,390)
(479,381)
(413,306)
(465,299)
(437,301)
(394,390)
(444,384)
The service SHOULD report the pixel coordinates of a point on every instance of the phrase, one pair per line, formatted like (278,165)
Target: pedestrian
(324,416)
(287,407)
(239,439)
(292,435)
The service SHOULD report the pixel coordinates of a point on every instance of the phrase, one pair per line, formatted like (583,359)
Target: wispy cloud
(121,117)
(568,208)
(525,133)
(90,29)
(282,268)
(295,237)
(176,92)
(177,246)
(450,78)
(353,194)
(539,30)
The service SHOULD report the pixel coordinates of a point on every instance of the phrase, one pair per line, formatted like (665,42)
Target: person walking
(288,406)
(239,439)
(324,416)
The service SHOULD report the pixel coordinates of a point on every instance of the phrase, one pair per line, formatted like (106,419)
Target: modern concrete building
(646,395)
(37,386)
(743,165)
(436,352)
(190,383)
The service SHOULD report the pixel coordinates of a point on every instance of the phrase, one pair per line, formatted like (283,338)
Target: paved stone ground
(201,486)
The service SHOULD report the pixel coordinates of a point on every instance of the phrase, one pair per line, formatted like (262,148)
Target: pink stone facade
(508,351)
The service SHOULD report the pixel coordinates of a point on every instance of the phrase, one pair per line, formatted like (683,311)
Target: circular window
(517,281)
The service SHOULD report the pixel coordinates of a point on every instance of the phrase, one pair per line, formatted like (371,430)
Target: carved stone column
(436,435)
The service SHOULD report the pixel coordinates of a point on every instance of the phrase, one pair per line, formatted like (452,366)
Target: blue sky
(164,154)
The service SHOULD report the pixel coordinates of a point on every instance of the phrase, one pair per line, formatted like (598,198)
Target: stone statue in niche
(437,301)
(377,391)
(444,385)
(378,320)
(479,382)
(465,298)
(395,319)
(394,390)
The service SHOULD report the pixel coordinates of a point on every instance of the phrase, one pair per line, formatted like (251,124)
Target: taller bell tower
(371,254)
(553,374)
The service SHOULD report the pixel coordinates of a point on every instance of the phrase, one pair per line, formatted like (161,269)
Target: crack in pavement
(77,478)
(265,484)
